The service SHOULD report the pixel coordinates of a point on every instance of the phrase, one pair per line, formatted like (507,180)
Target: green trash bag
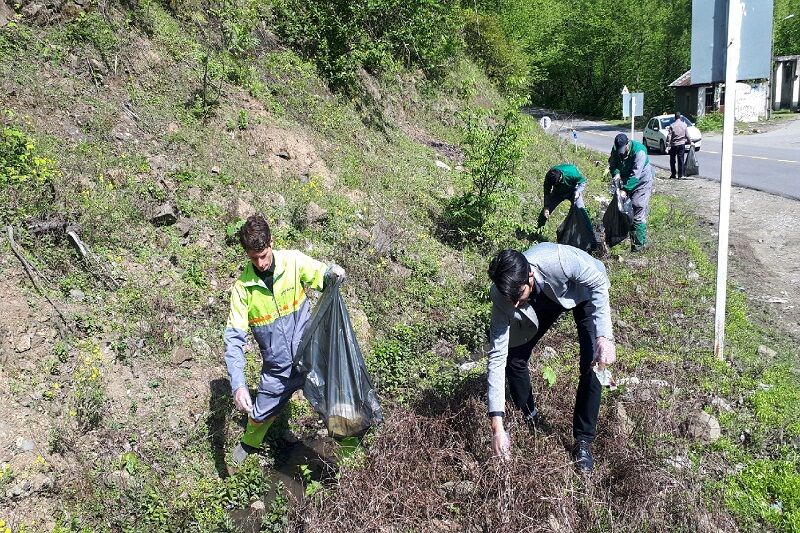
(337,384)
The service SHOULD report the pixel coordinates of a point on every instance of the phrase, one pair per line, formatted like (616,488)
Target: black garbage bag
(575,230)
(690,166)
(618,220)
(337,384)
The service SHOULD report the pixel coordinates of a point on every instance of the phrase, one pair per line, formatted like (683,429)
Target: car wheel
(662,146)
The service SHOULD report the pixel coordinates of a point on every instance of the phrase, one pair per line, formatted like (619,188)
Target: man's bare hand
(501,444)
(242,400)
(605,351)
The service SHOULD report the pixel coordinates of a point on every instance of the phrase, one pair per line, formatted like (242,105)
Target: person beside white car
(655,133)
(677,138)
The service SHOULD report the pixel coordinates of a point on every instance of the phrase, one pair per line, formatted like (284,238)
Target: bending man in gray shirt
(529,293)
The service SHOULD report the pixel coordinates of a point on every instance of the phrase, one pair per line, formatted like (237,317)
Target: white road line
(757,157)
(595,133)
(706,151)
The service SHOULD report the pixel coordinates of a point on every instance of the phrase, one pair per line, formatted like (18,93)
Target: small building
(696,99)
(786,85)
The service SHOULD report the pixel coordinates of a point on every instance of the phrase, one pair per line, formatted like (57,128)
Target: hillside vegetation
(386,137)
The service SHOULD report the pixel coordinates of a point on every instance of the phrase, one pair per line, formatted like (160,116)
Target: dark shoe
(240,453)
(582,455)
(538,424)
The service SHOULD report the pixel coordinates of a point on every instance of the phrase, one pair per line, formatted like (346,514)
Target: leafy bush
(769,491)
(343,36)
(24,175)
(93,29)
(494,145)
(710,122)
(502,58)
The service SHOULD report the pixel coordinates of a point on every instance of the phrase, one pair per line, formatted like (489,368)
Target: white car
(655,133)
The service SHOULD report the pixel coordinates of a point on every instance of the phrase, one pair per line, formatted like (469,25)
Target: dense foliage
(574,55)
(341,36)
(786,32)
(581,53)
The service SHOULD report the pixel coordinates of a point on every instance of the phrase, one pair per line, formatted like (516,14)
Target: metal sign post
(735,11)
(632,106)
(633,112)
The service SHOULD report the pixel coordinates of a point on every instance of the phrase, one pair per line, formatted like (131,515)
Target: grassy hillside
(149,135)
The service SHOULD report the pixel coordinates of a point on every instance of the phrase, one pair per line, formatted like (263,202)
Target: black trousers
(587,398)
(676,151)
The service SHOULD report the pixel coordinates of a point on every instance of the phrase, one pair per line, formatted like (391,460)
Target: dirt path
(764,243)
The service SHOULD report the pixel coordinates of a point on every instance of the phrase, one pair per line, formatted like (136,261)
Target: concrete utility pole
(735,11)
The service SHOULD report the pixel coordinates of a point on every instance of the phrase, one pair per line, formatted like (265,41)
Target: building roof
(685,80)
(786,58)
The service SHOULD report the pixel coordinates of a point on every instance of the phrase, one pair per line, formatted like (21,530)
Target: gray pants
(640,199)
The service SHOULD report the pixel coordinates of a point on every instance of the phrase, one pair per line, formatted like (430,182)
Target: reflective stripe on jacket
(276,319)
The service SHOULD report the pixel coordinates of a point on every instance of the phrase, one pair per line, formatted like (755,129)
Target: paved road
(768,162)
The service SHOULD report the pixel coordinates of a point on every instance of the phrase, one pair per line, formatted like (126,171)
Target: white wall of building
(751,101)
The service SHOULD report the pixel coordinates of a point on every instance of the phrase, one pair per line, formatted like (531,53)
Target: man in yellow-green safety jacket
(269,300)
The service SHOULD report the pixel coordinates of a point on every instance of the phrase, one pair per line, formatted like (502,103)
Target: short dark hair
(620,140)
(677,115)
(509,270)
(254,234)
(553,176)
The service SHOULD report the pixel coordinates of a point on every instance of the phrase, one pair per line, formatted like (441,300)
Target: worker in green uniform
(633,175)
(565,182)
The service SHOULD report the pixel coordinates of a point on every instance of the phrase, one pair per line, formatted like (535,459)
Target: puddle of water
(318,455)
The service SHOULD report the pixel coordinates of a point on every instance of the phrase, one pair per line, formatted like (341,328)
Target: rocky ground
(764,244)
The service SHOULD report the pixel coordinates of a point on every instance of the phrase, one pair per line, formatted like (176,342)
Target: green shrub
(93,29)
(768,491)
(342,36)
(88,395)
(710,122)
(503,59)
(494,145)
(25,176)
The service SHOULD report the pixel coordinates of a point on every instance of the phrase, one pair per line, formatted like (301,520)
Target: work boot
(638,236)
(582,455)
(240,453)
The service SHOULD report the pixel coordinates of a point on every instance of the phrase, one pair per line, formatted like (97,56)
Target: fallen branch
(92,262)
(56,224)
(94,77)
(29,269)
